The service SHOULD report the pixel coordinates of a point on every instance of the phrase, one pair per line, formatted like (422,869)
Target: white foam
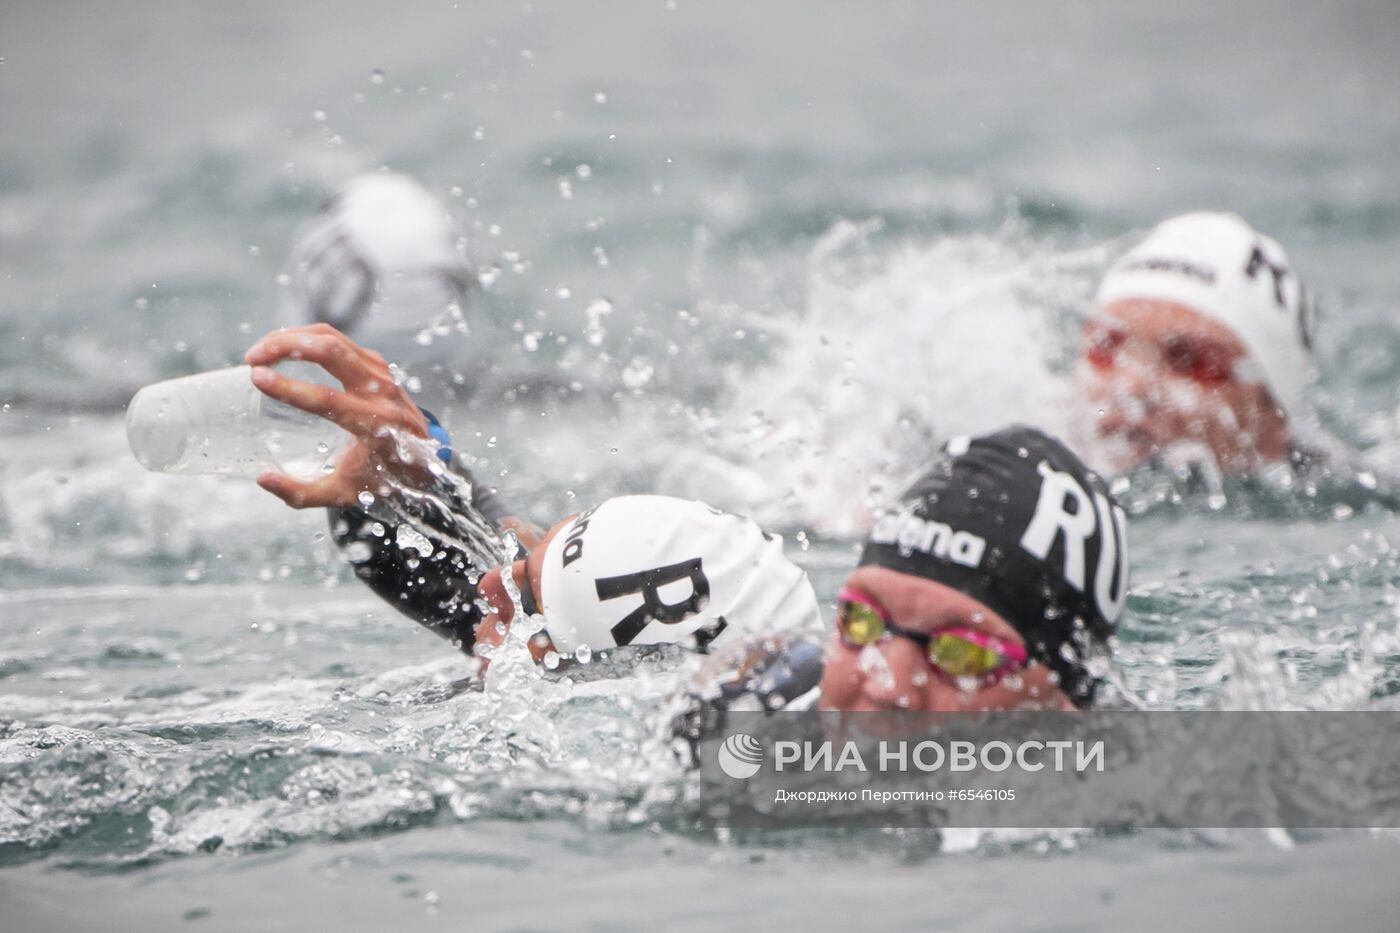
(897,348)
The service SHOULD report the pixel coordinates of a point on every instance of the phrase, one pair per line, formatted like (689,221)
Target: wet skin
(377,413)
(496,623)
(895,674)
(372,408)
(1173,376)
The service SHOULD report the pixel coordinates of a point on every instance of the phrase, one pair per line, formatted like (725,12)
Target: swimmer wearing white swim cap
(632,571)
(383,260)
(1201,340)
(647,570)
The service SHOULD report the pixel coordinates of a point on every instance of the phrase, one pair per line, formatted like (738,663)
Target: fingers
(319,400)
(363,373)
(324,493)
(369,403)
(322,344)
(362,417)
(274,346)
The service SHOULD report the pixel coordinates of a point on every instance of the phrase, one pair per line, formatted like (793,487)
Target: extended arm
(405,511)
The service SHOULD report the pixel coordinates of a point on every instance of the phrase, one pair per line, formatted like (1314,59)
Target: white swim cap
(1219,266)
(645,570)
(382,239)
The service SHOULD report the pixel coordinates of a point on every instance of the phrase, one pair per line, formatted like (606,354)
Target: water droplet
(319,116)
(637,374)
(583,654)
(584,171)
(366,499)
(599,97)
(551,660)
(376,76)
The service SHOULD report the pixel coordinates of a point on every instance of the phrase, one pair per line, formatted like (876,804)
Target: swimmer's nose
(1137,385)
(889,673)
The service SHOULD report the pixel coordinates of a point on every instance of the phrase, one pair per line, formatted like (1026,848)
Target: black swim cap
(1016,521)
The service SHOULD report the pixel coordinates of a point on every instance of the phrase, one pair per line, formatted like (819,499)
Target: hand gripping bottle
(219,422)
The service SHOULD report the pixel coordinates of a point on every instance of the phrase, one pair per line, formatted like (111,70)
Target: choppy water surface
(764,257)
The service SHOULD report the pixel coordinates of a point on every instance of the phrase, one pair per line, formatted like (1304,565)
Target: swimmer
(383,260)
(1200,348)
(632,571)
(996,583)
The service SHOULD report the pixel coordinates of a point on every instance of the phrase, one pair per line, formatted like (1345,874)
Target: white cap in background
(1218,265)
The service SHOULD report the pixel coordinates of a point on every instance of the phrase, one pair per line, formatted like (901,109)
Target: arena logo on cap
(1170,264)
(909,532)
(573,542)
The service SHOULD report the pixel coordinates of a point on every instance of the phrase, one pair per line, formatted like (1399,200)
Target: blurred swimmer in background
(383,260)
(1199,351)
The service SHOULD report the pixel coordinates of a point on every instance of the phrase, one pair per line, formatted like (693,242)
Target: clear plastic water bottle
(219,422)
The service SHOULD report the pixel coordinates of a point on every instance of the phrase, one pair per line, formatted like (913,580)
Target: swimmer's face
(1154,374)
(494,625)
(894,673)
